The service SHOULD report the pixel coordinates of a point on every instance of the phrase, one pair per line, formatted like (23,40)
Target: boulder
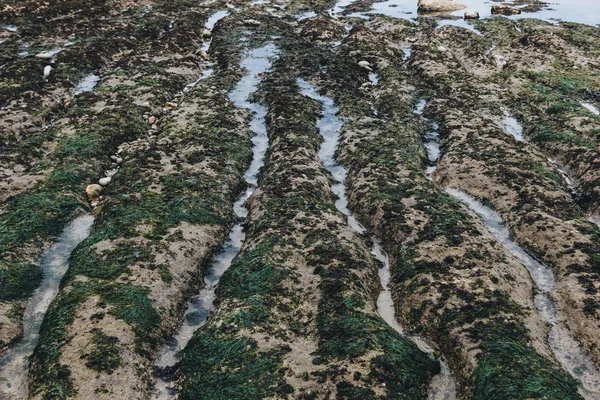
(471,15)
(505,10)
(440,5)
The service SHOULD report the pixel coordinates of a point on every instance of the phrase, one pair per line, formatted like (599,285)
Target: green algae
(105,354)
(231,368)
(18,281)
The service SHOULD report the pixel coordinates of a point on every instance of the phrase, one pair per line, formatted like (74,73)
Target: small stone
(94,203)
(206,34)
(171,105)
(119,161)
(47,70)
(152,120)
(364,63)
(104,181)
(195,318)
(113,157)
(111,172)
(442,49)
(44,55)
(252,22)
(471,15)
(93,191)
(499,60)
(309,394)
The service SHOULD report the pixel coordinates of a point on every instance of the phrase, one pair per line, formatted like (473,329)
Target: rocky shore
(147,116)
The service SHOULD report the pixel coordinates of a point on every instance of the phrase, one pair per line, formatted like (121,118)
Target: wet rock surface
(126,111)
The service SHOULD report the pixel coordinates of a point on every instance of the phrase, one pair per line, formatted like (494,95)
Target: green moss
(560,108)
(510,370)
(131,304)
(165,274)
(49,377)
(508,366)
(544,134)
(231,368)
(253,274)
(41,214)
(348,391)
(255,314)
(105,353)
(347,332)
(110,264)
(18,281)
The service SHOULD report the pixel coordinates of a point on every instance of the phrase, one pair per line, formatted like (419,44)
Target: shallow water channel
(256,62)
(209,25)
(14,364)
(566,350)
(329,125)
(431,138)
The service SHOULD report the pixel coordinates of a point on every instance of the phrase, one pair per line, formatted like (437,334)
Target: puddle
(566,350)
(431,139)
(513,127)
(11,28)
(87,84)
(200,307)
(592,108)
(306,15)
(373,78)
(14,364)
(442,385)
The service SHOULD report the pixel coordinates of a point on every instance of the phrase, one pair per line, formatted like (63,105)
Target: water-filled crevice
(442,386)
(207,36)
(54,263)
(566,350)
(255,63)
(431,138)
(87,84)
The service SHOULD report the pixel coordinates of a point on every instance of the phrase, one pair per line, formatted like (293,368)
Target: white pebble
(47,70)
